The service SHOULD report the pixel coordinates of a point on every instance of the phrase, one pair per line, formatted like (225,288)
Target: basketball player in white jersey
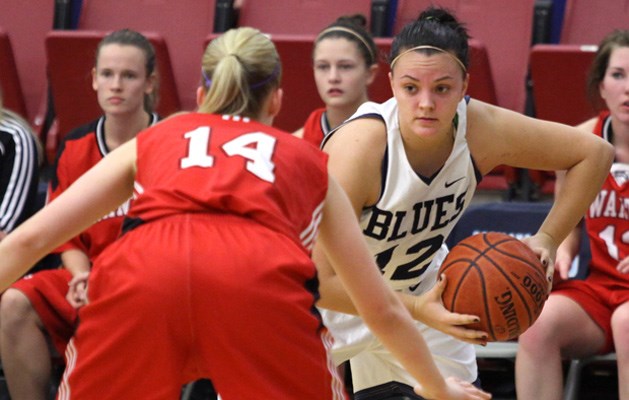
(410,167)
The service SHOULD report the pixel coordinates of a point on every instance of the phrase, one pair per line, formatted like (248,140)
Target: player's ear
(466,82)
(200,95)
(275,102)
(372,71)
(94,85)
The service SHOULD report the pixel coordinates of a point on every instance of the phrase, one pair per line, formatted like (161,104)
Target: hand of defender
(428,308)
(456,389)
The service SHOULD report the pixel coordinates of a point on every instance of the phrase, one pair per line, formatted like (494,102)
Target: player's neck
(121,128)
(337,115)
(621,131)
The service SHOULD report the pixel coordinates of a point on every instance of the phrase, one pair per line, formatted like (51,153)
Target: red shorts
(46,290)
(599,296)
(201,296)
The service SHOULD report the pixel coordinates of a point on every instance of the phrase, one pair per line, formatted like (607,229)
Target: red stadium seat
(183,24)
(27,22)
(380,88)
(70,60)
(12,96)
(408,10)
(300,92)
(587,21)
(503,26)
(559,74)
(297,17)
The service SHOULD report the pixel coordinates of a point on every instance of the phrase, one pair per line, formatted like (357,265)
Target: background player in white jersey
(591,316)
(410,167)
(213,276)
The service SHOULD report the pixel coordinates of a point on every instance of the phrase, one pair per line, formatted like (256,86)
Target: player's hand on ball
(428,308)
(456,389)
(546,249)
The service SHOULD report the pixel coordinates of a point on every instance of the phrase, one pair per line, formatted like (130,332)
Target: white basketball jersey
(414,215)
(406,231)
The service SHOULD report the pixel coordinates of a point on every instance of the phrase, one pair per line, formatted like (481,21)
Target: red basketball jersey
(196,163)
(316,127)
(80,150)
(607,219)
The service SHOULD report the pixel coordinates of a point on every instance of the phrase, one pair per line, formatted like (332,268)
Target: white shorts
(372,364)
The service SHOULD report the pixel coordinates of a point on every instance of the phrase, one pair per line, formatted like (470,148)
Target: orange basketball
(498,278)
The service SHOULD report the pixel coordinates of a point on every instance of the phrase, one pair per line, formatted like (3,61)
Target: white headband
(432,48)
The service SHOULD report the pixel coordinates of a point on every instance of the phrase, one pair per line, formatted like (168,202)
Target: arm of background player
(569,248)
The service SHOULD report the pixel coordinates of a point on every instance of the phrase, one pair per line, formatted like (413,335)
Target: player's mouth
(115,100)
(335,92)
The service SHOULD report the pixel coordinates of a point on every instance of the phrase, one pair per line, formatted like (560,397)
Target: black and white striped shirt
(18,171)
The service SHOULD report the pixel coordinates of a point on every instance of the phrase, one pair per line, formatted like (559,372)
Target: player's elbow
(601,153)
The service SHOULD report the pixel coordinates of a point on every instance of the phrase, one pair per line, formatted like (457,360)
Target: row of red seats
(503,26)
(70,58)
(498,68)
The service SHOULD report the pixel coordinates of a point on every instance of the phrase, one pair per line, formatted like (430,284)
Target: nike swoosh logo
(448,184)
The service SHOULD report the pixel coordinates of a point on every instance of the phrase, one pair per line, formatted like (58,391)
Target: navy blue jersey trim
(333,131)
(130,223)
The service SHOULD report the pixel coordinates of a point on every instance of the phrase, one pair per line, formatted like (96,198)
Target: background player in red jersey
(345,62)
(591,316)
(43,307)
(213,275)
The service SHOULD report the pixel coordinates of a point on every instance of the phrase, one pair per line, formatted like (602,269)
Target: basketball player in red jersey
(345,60)
(213,276)
(43,307)
(587,317)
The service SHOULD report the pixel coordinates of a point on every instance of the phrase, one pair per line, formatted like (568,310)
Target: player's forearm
(333,295)
(19,251)
(392,324)
(75,261)
(579,188)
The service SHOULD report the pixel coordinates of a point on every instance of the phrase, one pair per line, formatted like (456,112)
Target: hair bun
(355,19)
(439,15)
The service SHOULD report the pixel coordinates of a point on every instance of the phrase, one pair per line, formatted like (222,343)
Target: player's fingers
(462,319)
(419,389)
(437,290)
(623,266)
(550,270)
(468,335)
(473,391)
